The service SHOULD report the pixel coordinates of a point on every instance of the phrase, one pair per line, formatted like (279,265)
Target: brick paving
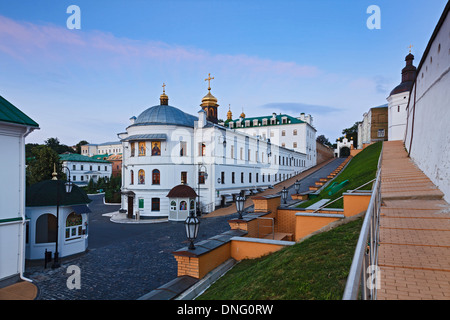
(414,251)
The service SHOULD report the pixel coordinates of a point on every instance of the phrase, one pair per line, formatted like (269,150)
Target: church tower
(209,103)
(398,101)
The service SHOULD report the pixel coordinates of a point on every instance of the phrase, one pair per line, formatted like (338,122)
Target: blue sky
(317,57)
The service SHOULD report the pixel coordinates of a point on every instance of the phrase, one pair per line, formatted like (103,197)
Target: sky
(287,56)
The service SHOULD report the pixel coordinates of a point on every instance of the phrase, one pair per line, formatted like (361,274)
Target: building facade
(14,128)
(374,126)
(165,147)
(82,168)
(107,148)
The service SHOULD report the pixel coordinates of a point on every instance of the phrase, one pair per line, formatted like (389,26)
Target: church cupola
(408,75)
(164,99)
(229,114)
(209,103)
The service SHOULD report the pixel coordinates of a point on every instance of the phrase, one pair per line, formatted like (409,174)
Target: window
(106,168)
(398,109)
(155,204)
(131,177)
(201,149)
(283,133)
(201,177)
(74,226)
(141,203)
(183,148)
(295,145)
(380,133)
(98,168)
(257,176)
(74,167)
(242,177)
(141,148)
(232,152)
(132,149)
(241,153)
(183,205)
(184,177)
(222,177)
(173,206)
(250,177)
(81,167)
(156,148)
(295,132)
(155,177)
(232,177)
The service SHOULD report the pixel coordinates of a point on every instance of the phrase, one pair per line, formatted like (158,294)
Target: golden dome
(229,114)
(209,100)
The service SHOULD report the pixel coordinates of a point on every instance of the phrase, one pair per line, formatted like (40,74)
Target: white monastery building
(14,127)
(165,147)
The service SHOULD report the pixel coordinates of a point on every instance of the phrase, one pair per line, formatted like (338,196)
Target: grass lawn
(361,169)
(315,269)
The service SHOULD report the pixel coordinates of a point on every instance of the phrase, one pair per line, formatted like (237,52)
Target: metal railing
(364,269)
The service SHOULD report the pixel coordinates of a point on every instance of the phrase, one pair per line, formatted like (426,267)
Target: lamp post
(240,200)
(297,186)
(68,189)
(192,224)
(284,194)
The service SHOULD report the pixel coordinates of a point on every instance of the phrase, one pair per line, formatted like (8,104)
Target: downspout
(22,204)
(412,124)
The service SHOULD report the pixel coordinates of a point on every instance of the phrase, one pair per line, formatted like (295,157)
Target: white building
(165,147)
(427,137)
(398,101)
(82,168)
(289,132)
(14,127)
(109,148)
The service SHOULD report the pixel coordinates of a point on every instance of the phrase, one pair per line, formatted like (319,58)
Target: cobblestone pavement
(125,269)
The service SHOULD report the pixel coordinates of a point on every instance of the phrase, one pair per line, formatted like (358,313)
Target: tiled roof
(279,121)
(75,157)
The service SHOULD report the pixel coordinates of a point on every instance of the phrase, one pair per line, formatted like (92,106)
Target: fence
(364,269)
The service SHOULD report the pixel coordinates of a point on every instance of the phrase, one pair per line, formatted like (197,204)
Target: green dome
(44,193)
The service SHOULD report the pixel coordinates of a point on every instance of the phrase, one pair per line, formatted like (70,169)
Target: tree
(352,132)
(323,140)
(41,167)
(57,146)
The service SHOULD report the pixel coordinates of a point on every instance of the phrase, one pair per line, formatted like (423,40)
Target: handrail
(365,259)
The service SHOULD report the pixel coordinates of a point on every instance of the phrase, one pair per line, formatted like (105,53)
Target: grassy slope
(315,269)
(361,169)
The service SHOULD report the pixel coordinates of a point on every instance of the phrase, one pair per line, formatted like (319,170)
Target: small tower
(164,99)
(209,103)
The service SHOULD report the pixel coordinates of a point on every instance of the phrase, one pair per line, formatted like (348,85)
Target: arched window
(74,227)
(131,177)
(46,228)
(173,205)
(155,177)
(141,176)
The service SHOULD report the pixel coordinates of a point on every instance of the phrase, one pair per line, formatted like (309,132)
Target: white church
(175,163)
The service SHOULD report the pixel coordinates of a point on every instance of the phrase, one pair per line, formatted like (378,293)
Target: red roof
(182,191)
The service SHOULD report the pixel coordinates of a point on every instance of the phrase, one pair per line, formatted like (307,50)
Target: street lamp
(68,189)
(284,194)
(297,186)
(240,200)
(191,223)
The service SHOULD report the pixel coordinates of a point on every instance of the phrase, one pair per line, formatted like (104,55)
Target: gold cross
(164,87)
(410,47)
(209,80)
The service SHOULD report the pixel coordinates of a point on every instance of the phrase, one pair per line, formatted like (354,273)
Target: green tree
(79,144)
(57,146)
(41,167)
(324,140)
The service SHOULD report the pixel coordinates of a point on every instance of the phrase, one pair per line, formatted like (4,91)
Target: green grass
(315,269)
(361,169)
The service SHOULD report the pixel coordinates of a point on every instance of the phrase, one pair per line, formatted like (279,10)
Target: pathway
(414,252)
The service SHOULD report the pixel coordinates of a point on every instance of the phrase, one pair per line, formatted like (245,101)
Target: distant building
(374,126)
(82,168)
(109,148)
(14,127)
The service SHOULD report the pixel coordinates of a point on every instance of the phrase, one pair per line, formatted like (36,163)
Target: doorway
(130,207)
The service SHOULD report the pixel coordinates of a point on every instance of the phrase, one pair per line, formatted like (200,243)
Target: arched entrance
(344,152)
(46,228)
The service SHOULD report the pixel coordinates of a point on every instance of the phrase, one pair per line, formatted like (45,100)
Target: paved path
(414,252)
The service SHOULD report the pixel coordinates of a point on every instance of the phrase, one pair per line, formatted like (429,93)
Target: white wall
(397,114)
(428,127)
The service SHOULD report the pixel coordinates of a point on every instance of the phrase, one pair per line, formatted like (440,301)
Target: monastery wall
(427,136)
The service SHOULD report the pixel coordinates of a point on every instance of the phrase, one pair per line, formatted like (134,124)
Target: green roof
(9,113)
(44,193)
(75,157)
(279,117)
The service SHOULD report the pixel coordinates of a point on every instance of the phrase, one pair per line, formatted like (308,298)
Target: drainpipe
(22,204)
